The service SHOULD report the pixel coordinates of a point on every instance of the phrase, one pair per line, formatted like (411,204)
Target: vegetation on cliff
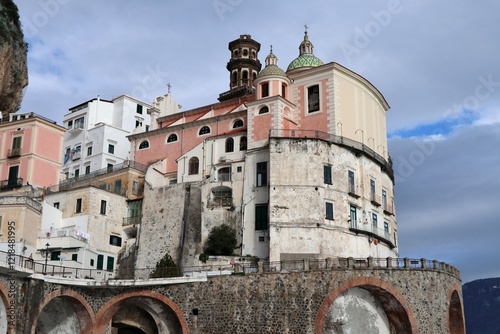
(13,56)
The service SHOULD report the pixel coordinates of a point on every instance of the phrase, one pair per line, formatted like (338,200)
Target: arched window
(243,143)
(144,144)
(224,174)
(245,77)
(254,76)
(229,145)
(194,166)
(172,138)
(204,130)
(263,110)
(238,124)
(222,196)
(234,78)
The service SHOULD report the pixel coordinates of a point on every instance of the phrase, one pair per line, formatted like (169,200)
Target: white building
(97,133)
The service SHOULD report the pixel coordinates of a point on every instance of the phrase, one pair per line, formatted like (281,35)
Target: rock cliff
(13,58)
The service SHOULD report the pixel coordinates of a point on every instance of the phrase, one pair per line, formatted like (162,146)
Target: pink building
(30,151)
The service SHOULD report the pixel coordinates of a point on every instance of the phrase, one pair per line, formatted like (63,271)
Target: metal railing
(339,140)
(131,220)
(371,229)
(14,152)
(11,183)
(35,267)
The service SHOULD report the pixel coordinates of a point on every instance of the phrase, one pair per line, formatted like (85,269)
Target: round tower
(272,80)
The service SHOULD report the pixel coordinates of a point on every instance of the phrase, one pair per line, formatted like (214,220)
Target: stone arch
(64,300)
(148,300)
(4,298)
(399,313)
(456,320)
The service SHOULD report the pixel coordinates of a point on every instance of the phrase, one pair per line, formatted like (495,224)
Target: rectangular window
(0,225)
(74,257)
(374,220)
(87,169)
(54,256)
(386,227)
(265,90)
(350,178)
(353,214)
(262,174)
(313,98)
(238,169)
(79,123)
(100,261)
(16,142)
(118,186)
(91,262)
(261,217)
(78,205)
(110,264)
(283,91)
(384,199)
(139,109)
(262,239)
(77,172)
(135,187)
(115,241)
(327,174)
(103,207)
(147,128)
(329,210)
(111,149)
(70,124)
(89,151)
(56,205)
(372,189)
(13,176)
(110,168)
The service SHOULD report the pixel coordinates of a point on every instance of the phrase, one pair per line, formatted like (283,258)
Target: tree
(166,267)
(221,240)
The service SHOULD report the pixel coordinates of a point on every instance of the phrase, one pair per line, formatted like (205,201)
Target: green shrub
(166,267)
(221,240)
(203,257)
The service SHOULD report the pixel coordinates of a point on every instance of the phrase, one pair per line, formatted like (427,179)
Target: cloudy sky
(436,62)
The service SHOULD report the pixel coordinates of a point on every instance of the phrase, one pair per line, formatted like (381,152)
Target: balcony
(14,152)
(64,238)
(77,127)
(132,220)
(375,199)
(373,231)
(221,201)
(388,210)
(353,191)
(11,183)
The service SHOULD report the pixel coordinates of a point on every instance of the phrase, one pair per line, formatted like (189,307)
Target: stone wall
(415,300)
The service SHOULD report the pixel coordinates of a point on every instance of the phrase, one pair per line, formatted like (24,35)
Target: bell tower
(243,67)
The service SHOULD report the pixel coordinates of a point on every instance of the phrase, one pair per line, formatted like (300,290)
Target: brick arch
(82,308)
(398,311)
(4,296)
(456,320)
(107,312)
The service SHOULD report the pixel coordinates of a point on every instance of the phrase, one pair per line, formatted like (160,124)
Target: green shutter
(100,261)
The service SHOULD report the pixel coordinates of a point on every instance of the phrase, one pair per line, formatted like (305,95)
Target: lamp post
(46,257)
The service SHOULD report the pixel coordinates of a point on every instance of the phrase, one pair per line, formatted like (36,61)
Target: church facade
(295,161)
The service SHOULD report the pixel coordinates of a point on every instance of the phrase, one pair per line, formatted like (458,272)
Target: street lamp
(46,257)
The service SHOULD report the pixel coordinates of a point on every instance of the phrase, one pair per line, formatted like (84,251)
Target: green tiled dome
(272,70)
(304,60)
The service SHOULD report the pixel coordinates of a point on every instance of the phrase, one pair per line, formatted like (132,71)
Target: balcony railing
(14,152)
(375,199)
(374,231)
(388,210)
(132,220)
(353,191)
(11,183)
(221,201)
(23,200)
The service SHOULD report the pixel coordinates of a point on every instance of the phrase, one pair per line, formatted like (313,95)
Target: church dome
(306,58)
(272,68)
